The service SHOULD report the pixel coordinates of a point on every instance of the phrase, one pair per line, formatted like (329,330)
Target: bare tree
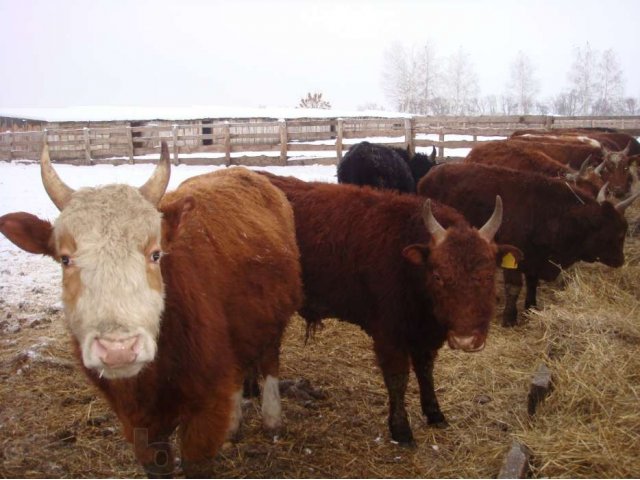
(314,100)
(430,77)
(566,103)
(509,105)
(582,77)
(411,78)
(631,106)
(490,105)
(609,85)
(542,108)
(400,78)
(523,85)
(461,83)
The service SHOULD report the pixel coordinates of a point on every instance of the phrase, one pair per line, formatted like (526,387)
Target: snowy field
(24,275)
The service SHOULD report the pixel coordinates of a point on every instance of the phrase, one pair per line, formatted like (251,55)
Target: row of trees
(418,80)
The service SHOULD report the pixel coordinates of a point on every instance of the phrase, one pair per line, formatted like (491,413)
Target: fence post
(340,132)
(45,141)
(87,146)
(227,143)
(283,141)
(12,141)
(441,148)
(174,133)
(130,143)
(409,130)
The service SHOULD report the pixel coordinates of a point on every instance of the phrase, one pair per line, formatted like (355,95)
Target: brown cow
(609,151)
(381,260)
(167,310)
(527,157)
(554,226)
(608,138)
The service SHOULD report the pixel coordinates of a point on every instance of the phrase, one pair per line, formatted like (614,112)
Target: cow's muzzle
(117,352)
(468,343)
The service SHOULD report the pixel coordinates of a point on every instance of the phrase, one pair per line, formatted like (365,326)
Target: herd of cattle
(177,300)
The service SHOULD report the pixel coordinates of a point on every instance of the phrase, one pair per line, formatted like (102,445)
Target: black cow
(383,167)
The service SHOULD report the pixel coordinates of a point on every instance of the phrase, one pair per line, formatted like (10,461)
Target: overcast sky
(272,52)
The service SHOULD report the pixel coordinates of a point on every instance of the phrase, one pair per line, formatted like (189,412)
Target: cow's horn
(489,229)
(58,191)
(602,193)
(622,206)
(583,168)
(155,187)
(598,169)
(434,228)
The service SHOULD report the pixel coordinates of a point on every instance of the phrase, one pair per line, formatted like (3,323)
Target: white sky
(253,53)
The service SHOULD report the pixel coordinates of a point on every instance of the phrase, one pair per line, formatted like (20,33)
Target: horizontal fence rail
(270,142)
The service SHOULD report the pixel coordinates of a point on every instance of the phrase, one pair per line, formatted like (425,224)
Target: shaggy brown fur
(232,278)
(527,156)
(553,224)
(369,259)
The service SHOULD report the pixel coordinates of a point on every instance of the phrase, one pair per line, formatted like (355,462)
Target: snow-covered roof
(111,113)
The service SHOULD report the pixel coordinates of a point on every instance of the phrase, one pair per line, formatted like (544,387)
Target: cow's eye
(65,260)
(155,256)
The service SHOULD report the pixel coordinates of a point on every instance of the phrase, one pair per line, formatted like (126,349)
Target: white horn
(602,193)
(434,228)
(489,229)
(622,206)
(58,191)
(155,187)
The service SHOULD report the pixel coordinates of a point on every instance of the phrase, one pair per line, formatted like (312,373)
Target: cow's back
(239,241)
(540,213)
(346,235)
(376,166)
(517,155)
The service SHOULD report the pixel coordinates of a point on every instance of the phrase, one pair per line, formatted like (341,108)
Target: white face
(108,242)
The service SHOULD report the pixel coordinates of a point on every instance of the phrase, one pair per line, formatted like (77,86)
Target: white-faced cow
(171,299)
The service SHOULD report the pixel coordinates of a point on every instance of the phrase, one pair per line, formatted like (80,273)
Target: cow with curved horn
(554,225)
(412,274)
(526,157)
(172,298)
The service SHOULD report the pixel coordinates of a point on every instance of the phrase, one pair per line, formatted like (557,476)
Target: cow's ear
(509,257)
(28,232)
(416,254)
(174,214)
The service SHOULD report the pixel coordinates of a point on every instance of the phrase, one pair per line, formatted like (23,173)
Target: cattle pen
(269,141)
(54,424)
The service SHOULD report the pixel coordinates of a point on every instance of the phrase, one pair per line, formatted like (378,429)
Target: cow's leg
(271,407)
(251,388)
(512,287)
(152,450)
(233,433)
(202,434)
(423,368)
(532,289)
(394,364)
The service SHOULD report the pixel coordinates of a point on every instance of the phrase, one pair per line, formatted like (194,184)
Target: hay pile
(53,424)
(590,425)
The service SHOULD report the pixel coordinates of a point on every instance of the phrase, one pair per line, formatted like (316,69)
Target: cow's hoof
(510,319)
(403,436)
(437,420)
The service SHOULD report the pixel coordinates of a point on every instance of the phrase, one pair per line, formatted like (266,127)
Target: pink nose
(471,343)
(117,352)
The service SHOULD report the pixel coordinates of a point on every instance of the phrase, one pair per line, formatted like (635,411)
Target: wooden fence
(274,142)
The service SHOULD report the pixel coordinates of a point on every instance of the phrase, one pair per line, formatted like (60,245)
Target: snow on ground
(36,280)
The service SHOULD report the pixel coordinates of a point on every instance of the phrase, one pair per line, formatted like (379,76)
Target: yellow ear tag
(509,261)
